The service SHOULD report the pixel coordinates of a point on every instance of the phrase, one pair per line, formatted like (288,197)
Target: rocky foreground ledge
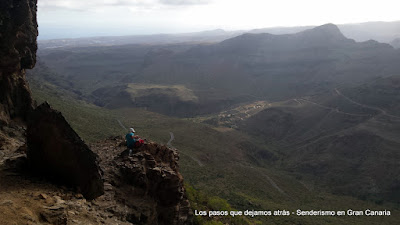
(142,188)
(146,187)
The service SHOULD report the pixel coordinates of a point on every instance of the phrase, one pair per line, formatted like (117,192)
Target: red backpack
(139,143)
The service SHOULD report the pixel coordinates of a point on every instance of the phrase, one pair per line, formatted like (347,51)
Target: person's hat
(132,130)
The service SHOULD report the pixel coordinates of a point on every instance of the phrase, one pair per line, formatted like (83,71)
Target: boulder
(153,173)
(56,151)
(146,187)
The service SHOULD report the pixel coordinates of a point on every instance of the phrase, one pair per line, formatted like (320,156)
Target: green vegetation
(379,94)
(226,166)
(179,91)
(202,202)
(295,139)
(92,123)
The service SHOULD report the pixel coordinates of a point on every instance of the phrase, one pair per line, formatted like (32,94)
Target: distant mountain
(280,30)
(210,36)
(396,43)
(346,140)
(276,66)
(379,31)
(323,36)
(244,68)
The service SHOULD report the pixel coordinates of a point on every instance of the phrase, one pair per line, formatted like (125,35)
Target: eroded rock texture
(56,150)
(18,32)
(148,182)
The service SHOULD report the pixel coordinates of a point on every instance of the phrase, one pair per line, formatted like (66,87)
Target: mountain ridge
(379,31)
(327,35)
(248,67)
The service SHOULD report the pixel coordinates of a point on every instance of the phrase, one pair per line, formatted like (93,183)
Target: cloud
(185,2)
(83,5)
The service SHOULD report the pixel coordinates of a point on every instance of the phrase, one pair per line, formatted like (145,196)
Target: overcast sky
(83,18)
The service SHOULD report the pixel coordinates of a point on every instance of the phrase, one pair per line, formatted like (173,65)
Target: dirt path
(366,106)
(172,138)
(269,179)
(320,138)
(123,127)
(382,112)
(333,109)
(275,185)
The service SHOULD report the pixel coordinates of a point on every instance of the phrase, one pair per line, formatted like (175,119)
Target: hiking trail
(366,106)
(172,137)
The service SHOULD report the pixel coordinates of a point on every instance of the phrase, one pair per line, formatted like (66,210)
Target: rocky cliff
(66,157)
(18,32)
(145,188)
(57,151)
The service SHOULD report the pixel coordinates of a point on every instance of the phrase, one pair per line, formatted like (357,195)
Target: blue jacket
(130,141)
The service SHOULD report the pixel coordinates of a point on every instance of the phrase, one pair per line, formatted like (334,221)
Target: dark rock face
(148,182)
(18,32)
(56,150)
(153,171)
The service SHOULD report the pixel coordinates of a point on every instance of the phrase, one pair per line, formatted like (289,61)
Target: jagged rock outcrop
(148,182)
(18,32)
(145,188)
(55,149)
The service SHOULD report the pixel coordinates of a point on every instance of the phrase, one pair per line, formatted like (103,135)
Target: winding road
(366,106)
(172,137)
(382,112)
(333,109)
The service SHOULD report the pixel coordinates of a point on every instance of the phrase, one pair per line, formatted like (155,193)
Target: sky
(85,18)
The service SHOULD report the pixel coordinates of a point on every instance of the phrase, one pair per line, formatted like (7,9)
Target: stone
(6,203)
(153,171)
(18,48)
(59,200)
(56,150)
(54,215)
(43,196)
(79,196)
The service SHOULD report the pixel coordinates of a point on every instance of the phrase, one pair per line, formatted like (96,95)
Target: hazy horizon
(74,18)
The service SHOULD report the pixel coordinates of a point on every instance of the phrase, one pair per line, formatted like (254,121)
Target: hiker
(133,141)
(130,140)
